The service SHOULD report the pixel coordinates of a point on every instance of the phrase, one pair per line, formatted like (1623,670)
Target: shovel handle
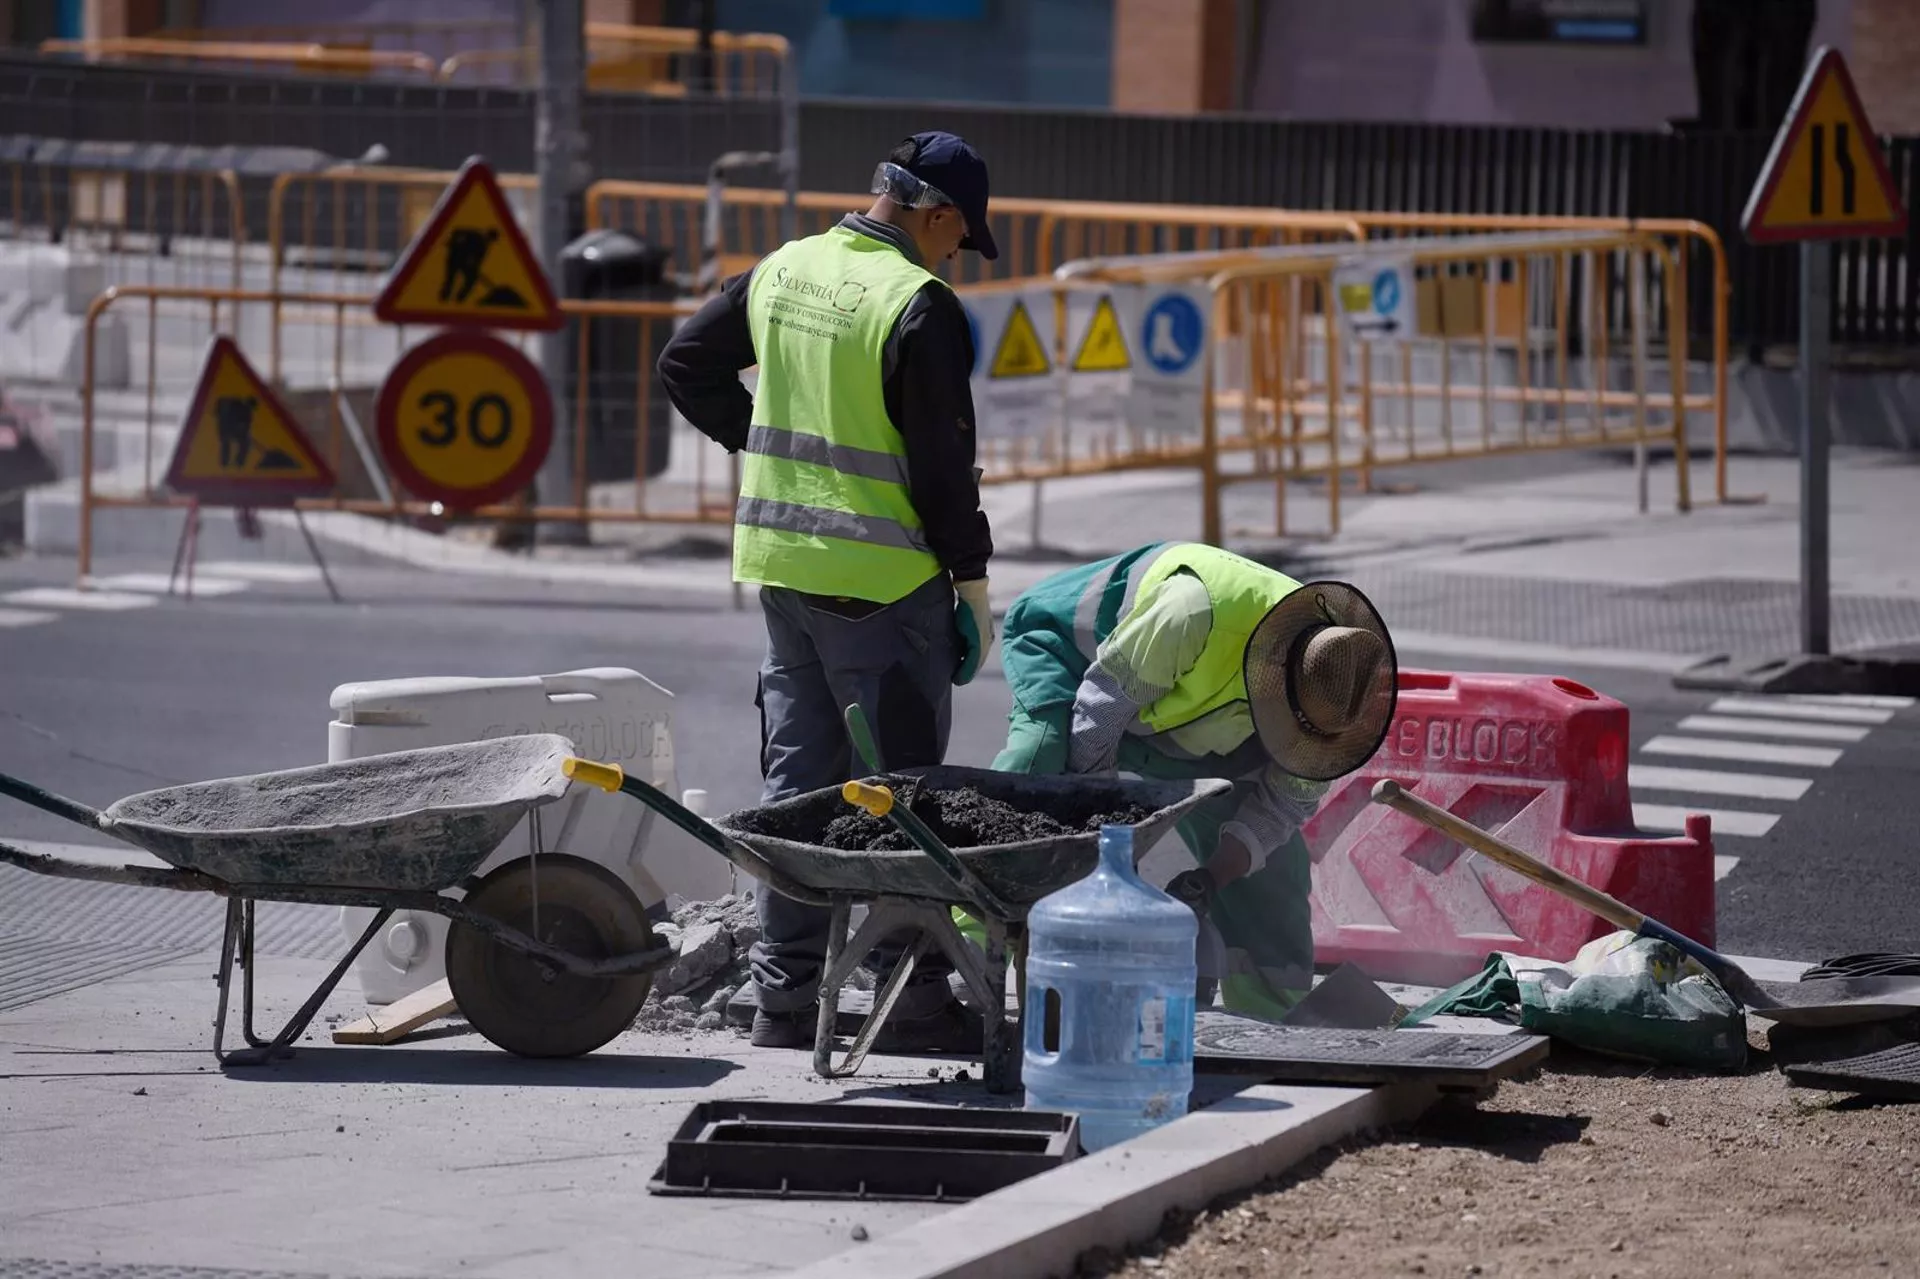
(1614,911)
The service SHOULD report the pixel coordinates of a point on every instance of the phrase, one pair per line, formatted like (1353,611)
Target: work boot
(950,1029)
(783,1030)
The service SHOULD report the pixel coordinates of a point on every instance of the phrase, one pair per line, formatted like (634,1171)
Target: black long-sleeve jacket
(925,368)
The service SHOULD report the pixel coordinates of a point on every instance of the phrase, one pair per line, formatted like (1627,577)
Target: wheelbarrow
(913,890)
(547,955)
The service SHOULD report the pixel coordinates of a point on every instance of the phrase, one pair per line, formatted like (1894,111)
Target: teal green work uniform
(1135,663)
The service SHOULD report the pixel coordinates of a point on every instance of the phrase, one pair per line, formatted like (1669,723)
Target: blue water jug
(1110,961)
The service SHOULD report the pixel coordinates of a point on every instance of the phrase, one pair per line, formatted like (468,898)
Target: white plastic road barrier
(610,714)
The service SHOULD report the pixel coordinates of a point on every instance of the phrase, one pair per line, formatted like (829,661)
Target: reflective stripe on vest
(824,503)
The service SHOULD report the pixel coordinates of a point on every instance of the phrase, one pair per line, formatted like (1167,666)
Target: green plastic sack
(1620,995)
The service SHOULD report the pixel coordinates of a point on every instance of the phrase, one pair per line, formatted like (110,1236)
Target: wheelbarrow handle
(45,800)
(878,801)
(612,777)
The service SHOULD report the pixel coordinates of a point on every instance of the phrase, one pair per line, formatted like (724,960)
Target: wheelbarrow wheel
(526,1005)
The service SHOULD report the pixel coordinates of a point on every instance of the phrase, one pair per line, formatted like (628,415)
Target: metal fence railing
(1042,155)
(1536,342)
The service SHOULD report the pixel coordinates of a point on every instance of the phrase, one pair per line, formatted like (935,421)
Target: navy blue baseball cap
(950,165)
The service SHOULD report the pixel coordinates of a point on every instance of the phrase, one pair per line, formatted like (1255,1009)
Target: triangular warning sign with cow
(1021,353)
(238,443)
(470,265)
(1104,348)
(1825,178)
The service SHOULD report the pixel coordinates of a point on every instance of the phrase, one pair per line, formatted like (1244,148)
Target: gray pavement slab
(127,1144)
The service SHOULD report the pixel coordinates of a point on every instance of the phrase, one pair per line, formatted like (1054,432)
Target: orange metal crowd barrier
(640,59)
(179,226)
(316,57)
(1687,237)
(331,362)
(1505,360)
(1034,235)
(436,39)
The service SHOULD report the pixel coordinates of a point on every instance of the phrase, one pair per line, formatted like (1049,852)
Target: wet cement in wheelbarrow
(961,818)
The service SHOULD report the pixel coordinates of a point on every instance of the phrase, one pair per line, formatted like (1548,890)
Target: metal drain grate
(1226,1042)
(1892,1073)
(58,935)
(155,919)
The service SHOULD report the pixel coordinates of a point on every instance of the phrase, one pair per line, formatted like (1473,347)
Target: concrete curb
(1041,1226)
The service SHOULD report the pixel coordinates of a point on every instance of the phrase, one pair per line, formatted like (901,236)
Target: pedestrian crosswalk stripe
(1750,752)
(1882,700)
(1704,781)
(1723,865)
(1802,710)
(258,571)
(1725,821)
(161,584)
(11,617)
(67,597)
(1752,726)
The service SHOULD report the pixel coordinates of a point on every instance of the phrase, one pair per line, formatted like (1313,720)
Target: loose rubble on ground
(712,940)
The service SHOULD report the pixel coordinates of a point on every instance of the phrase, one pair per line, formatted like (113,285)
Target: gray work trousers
(897,662)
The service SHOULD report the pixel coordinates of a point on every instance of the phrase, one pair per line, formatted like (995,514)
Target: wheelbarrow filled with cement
(547,955)
(1016,838)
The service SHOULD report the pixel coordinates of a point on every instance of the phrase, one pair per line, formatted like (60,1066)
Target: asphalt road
(98,704)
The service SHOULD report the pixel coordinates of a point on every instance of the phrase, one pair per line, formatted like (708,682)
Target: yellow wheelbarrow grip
(877,800)
(606,776)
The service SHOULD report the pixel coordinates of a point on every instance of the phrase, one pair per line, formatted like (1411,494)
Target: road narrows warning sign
(1020,352)
(470,264)
(1825,177)
(238,443)
(1104,348)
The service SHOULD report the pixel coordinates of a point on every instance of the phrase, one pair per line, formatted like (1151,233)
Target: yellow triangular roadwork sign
(470,265)
(1021,352)
(1825,177)
(239,442)
(1104,348)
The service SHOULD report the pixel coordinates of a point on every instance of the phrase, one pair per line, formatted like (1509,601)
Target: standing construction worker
(859,518)
(1181,660)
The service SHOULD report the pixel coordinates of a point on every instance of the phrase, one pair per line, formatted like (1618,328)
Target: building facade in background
(1589,64)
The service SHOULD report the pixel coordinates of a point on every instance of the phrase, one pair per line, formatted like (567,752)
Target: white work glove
(973,619)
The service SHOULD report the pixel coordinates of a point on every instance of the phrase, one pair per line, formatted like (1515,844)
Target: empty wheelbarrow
(547,955)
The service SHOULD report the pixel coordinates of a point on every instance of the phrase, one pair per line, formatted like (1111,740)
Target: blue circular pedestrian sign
(1386,291)
(1172,333)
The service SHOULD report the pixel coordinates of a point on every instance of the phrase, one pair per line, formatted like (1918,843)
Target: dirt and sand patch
(1588,1167)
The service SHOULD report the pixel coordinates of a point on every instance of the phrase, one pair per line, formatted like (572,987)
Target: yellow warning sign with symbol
(238,443)
(470,265)
(1825,177)
(1020,353)
(1104,348)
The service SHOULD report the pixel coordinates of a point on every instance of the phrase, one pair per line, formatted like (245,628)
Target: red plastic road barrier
(1539,761)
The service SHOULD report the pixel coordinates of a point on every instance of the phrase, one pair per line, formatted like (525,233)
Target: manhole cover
(1229,1043)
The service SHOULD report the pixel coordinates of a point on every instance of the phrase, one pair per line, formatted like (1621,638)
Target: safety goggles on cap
(905,190)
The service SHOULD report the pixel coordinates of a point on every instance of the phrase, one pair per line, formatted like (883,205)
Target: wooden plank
(402,1017)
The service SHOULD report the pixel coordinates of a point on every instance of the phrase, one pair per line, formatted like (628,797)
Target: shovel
(1836,1001)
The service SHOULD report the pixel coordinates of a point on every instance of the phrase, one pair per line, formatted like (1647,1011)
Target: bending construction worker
(1180,660)
(859,518)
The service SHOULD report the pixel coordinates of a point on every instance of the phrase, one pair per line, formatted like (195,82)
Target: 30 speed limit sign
(464,419)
